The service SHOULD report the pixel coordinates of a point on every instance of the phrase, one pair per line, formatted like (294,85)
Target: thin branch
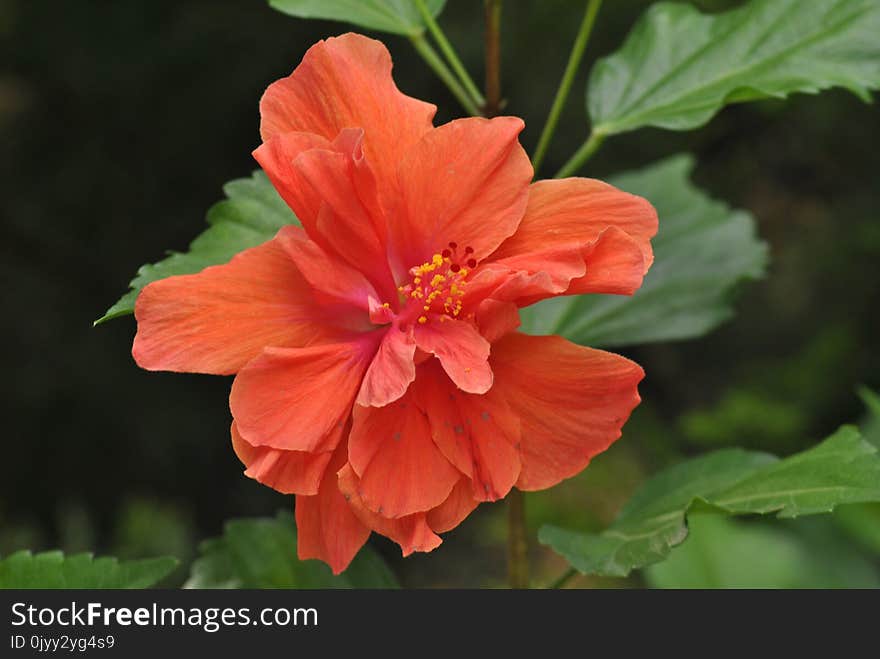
(450,54)
(436,63)
(492,105)
(517,540)
(567,576)
(571,69)
(581,156)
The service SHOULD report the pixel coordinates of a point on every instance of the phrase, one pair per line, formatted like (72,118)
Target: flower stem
(563,579)
(492,106)
(449,52)
(517,540)
(433,60)
(574,60)
(582,155)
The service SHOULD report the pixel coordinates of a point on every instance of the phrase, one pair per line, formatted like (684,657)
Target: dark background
(120,121)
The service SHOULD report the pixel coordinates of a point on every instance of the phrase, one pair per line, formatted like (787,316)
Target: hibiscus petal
(345,82)
(577,236)
(332,189)
(571,401)
(614,264)
(462,351)
(327,528)
(345,182)
(351,220)
(276,157)
(391,371)
(567,214)
(465,182)
(334,280)
(221,318)
(437,397)
(289,472)
(411,532)
(401,471)
(297,398)
(494,432)
(454,510)
(480,435)
(496,319)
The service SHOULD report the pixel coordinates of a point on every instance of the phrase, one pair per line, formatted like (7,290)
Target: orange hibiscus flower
(379,373)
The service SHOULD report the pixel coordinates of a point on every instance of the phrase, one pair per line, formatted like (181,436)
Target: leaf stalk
(571,69)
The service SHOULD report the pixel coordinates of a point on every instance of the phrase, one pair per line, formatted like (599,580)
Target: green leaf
(702,251)
(252,214)
(52,569)
(861,521)
(723,553)
(395,16)
(871,425)
(679,67)
(261,553)
(842,469)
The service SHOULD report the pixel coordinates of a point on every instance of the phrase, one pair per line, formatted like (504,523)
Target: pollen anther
(440,280)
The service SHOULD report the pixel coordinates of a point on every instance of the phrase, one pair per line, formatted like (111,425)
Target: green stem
(517,540)
(433,60)
(582,155)
(492,106)
(563,579)
(449,52)
(571,69)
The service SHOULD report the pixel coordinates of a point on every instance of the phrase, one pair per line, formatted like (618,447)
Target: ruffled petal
(297,399)
(577,236)
(333,191)
(459,504)
(438,397)
(564,215)
(411,532)
(496,319)
(345,82)
(480,435)
(277,157)
(351,221)
(334,281)
(401,471)
(571,401)
(465,182)
(327,528)
(221,318)
(391,371)
(613,264)
(288,472)
(461,349)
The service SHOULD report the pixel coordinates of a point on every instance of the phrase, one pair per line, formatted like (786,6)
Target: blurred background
(121,119)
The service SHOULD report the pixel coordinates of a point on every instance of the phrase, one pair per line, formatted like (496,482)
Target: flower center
(437,286)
